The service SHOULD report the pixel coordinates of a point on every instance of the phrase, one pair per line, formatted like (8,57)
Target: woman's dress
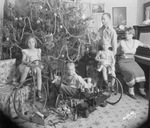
(131,71)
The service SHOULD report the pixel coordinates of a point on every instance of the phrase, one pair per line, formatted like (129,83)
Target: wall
(130,4)
(140,10)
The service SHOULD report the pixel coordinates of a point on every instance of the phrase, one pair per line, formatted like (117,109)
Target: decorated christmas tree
(59,27)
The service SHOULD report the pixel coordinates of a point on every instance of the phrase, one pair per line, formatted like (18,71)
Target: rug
(128,113)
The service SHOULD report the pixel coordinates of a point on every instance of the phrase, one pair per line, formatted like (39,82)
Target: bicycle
(64,105)
(111,94)
(114,90)
(27,104)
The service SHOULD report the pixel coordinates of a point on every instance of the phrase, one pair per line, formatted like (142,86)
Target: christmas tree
(59,27)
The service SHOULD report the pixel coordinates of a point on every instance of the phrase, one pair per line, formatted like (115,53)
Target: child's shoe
(112,88)
(142,93)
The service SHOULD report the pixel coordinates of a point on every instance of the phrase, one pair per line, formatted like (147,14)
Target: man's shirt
(110,34)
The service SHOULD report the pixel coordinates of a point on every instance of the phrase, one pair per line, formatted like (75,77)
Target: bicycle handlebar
(33,65)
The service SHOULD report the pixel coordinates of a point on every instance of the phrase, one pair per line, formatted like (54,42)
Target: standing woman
(131,71)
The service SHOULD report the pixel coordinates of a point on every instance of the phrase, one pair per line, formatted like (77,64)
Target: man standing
(107,32)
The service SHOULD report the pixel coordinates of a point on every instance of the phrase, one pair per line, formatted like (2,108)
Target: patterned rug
(128,113)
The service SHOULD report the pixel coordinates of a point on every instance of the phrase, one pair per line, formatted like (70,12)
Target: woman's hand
(146,46)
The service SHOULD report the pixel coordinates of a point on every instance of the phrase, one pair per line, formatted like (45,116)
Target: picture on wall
(119,16)
(146,11)
(98,8)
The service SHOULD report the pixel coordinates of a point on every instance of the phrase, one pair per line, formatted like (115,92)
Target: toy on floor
(90,103)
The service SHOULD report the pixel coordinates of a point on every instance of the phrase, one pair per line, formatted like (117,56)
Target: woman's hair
(130,30)
(31,37)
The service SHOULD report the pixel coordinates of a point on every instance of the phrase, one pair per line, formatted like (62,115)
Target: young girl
(28,56)
(106,61)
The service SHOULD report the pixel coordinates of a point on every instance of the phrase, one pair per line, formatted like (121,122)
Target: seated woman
(131,71)
(28,56)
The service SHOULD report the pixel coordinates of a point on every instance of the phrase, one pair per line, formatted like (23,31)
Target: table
(145,61)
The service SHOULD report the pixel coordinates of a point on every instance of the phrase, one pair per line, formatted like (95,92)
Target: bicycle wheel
(61,107)
(25,101)
(115,90)
(59,100)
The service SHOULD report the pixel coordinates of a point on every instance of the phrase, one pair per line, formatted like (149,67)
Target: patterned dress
(29,57)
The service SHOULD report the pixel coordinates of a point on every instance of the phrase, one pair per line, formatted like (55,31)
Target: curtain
(1,12)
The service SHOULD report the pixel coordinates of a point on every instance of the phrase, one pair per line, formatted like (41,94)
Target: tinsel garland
(48,23)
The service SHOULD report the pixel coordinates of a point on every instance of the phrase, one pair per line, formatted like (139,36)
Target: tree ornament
(38,21)
(16,18)
(7,39)
(83,16)
(41,7)
(62,55)
(49,41)
(20,18)
(55,14)
(87,49)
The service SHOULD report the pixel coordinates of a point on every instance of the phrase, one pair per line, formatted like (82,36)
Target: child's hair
(70,64)
(31,37)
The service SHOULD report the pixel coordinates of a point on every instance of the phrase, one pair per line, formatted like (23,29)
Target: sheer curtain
(1,22)
(1,12)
